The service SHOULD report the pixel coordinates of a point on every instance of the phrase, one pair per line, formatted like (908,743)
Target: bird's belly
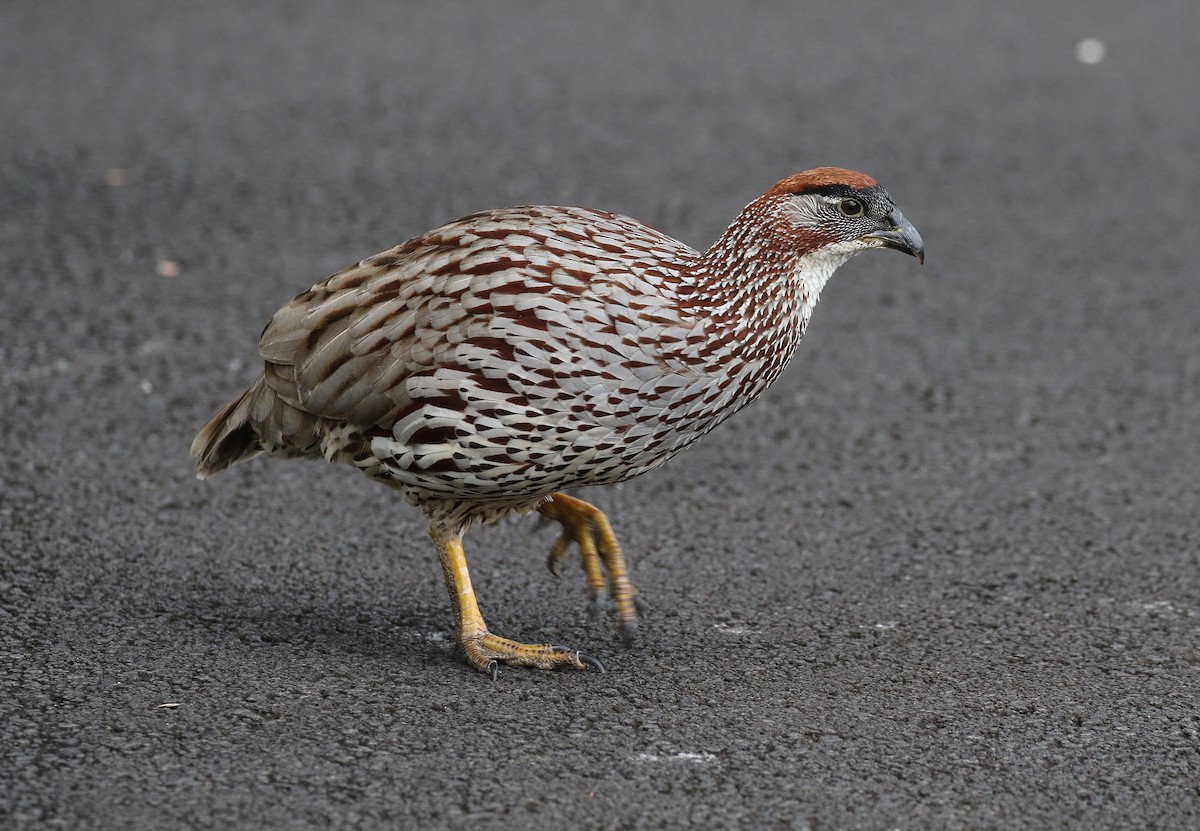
(489,460)
(512,448)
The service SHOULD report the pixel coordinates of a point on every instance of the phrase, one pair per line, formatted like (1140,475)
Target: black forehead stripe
(836,191)
(843,191)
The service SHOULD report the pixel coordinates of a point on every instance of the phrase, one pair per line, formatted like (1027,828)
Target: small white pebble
(1089,51)
(168,268)
(147,387)
(677,757)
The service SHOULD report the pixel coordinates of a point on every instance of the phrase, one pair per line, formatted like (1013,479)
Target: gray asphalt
(943,575)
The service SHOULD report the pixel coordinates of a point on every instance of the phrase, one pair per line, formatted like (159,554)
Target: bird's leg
(599,551)
(484,650)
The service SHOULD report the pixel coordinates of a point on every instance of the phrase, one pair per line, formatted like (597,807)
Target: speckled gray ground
(944,575)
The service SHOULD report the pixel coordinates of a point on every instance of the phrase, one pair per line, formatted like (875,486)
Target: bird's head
(838,211)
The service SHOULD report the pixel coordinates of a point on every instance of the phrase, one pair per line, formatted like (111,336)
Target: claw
(493,669)
(557,551)
(590,661)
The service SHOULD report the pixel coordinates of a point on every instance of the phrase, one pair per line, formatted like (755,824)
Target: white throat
(814,270)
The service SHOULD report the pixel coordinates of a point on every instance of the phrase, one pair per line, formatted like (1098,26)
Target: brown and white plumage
(493,362)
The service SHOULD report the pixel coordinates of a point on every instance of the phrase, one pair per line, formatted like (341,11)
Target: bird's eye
(851,207)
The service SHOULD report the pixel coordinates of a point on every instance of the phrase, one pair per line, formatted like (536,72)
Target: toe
(587,660)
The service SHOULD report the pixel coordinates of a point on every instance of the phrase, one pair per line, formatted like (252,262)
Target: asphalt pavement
(942,575)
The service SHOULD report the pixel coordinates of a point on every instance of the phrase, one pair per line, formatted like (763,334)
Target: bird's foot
(483,650)
(600,554)
(486,652)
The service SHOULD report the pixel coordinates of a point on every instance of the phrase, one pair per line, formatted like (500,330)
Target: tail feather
(227,438)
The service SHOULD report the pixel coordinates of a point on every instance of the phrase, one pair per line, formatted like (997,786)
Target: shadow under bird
(489,365)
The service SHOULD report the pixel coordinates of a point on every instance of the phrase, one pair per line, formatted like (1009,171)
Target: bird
(490,365)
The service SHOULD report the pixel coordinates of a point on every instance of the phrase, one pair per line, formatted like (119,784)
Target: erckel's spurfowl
(488,365)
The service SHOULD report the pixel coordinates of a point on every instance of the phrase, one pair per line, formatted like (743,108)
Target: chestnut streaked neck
(755,261)
(765,256)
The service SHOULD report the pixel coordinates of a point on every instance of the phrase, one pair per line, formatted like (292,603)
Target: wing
(467,293)
(503,343)
(352,347)
(342,349)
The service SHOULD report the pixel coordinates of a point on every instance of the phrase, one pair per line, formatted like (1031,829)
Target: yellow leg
(483,650)
(599,552)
